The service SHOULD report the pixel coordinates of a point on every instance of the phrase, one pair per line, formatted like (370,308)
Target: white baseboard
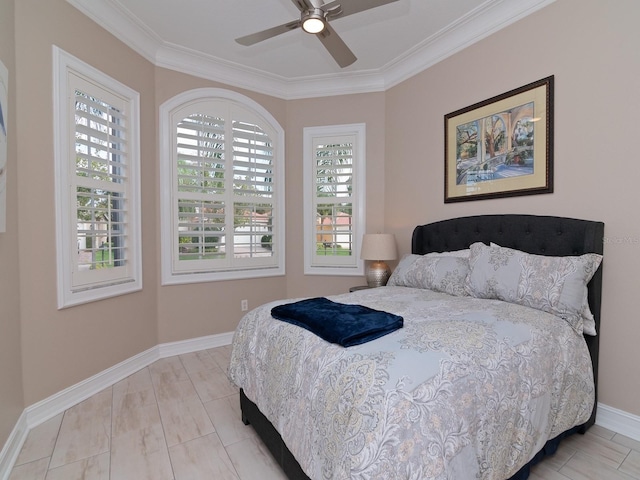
(619,421)
(194,344)
(48,408)
(12,447)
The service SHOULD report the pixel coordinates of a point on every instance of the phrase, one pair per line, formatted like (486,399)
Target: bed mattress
(468,388)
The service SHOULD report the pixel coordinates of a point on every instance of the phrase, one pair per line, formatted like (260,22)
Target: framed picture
(501,147)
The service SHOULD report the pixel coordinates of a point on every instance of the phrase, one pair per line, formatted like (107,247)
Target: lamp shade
(378,246)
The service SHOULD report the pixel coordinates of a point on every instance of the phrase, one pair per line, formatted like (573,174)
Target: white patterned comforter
(467,389)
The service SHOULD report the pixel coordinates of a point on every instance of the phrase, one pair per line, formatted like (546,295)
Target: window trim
(168,276)
(358,130)
(66,222)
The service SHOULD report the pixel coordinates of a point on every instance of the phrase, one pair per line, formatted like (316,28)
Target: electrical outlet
(244,305)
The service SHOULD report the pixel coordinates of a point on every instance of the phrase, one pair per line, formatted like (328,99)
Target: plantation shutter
(333,201)
(224,185)
(253,192)
(201,188)
(97,166)
(100,182)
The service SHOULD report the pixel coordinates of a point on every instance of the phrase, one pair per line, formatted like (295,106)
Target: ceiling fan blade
(352,6)
(303,5)
(336,47)
(268,33)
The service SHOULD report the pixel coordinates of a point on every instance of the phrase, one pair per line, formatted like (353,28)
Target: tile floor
(179,419)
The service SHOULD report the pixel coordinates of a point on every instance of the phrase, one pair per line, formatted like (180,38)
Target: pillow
(557,285)
(439,272)
(457,253)
(398,275)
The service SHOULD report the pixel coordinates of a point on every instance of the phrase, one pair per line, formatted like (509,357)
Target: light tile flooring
(179,419)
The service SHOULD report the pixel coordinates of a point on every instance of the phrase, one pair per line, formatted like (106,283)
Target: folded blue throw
(340,323)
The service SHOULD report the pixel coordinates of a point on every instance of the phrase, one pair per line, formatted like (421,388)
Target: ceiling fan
(314,19)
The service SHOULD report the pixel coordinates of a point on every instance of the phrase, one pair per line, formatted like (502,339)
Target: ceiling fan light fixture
(313,20)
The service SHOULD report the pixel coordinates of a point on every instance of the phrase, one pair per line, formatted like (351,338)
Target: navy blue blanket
(340,323)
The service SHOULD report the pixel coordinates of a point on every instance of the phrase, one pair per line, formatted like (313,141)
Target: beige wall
(199,309)
(364,108)
(63,347)
(209,308)
(11,400)
(592,49)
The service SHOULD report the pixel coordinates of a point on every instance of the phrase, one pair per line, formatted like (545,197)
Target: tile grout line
(622,463)
(215,430)
(55,443)
(164,433)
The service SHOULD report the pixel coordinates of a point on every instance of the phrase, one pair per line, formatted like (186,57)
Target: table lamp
(378,247)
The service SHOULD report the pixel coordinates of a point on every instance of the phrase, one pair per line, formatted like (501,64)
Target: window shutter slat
(100,160)
(332,171)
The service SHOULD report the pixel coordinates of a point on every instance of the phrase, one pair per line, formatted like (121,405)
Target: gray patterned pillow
(439,272)
(556,285)
(398,276)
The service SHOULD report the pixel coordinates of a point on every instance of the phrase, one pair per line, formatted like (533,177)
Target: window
(97,183)
(334,175)
(222,168)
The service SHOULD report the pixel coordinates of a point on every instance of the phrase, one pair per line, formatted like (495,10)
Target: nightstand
(359,287)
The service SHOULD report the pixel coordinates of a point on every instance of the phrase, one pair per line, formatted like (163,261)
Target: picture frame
(502,146)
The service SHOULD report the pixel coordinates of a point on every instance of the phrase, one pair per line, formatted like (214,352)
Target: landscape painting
(502,146)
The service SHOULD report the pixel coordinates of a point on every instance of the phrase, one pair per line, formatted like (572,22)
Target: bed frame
(542,235)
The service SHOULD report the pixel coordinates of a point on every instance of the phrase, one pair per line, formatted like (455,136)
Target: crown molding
(215,69)
(483,21)
(128,29)
(488,18)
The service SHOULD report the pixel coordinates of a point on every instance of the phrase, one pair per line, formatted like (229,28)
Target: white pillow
(556,285)
(456,253)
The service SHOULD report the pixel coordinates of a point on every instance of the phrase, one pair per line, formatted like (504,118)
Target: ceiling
(392,42)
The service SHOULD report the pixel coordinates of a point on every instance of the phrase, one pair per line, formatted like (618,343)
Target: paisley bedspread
(467,389)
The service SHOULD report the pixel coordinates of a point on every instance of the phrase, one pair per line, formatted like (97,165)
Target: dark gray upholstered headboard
(541,235)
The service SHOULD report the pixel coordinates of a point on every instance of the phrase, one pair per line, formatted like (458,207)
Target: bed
(408,404)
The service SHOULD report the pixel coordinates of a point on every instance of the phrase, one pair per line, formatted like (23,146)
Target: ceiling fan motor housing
(313,20)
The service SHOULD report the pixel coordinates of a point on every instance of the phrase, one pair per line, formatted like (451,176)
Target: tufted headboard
(541,235)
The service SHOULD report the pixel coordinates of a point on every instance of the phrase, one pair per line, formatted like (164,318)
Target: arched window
(222,188)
